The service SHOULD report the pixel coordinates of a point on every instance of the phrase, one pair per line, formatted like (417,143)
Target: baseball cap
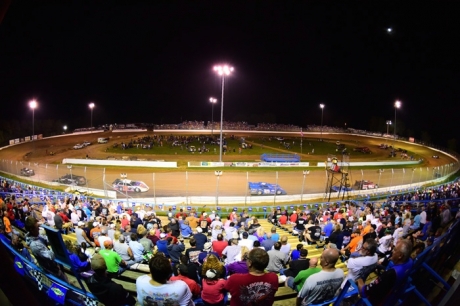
(211,273)
(162,235)
(112,225)
(207,246)
(95,224)
(199,229)
(98,262)
(205,214)
(81,223)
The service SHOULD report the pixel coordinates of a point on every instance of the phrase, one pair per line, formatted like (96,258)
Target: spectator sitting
(213,289)
(239,266)
(175,249)
(182,272)
(146,243)
(103,237)
(219,245)
(207,250)
(193,252)
(297,265)
(266,283)
(231,251)
(192,269)
(77,264)
(277,259)
(123,249)
(212,262)
(200,238)
(106,290)
(162,244)
(296,253)
(268,242)
(185,230)
(297,282)
(115,265)
(136,248)
(285,246)
(156,285)
(323,285)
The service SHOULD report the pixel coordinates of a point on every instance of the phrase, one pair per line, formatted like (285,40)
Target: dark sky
(152,62)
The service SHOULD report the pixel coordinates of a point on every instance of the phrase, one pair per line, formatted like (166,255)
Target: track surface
(203,182)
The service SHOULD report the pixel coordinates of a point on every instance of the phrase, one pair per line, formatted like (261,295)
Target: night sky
(152,62)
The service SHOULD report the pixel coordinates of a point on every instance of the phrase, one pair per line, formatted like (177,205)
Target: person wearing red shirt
(219,245)
(283,219)
(182,271)
(293,217)
(255,287)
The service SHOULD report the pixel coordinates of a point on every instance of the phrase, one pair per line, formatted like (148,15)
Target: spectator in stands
(146,243)
(77,264)
(123,249)
(156,287)
(192,269)
(380,289)
(193,220)
(200,238)
(297,265)
(152,236)
(256,286)
(105,289)
(363,262)
(275,236)
(95,232)
(231,251)
(207,250)
(81,235)
(175,250)
(103,237)
(193,252)
(115,265)
(162,244)
(213,262)
(185,229)
(205,222)
(323,285)
(268,243)
(213,289)
(182,274)
(246,242)
(38,247)
(219,245)
(239,266)
(137,248)
(385,243)
(285,245)
(297,282)
(229,231)
(277,259)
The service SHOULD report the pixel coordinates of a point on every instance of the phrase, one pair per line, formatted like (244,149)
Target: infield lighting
(222,71)
(322,111)
(397,106)
(91,106)
(33,105)
(213,101)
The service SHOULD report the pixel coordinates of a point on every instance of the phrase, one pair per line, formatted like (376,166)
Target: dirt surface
(233,182)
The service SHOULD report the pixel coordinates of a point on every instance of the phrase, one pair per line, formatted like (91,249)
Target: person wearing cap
(182,274)
(175,249)
(385,243)
(162,244)
(115,264)
(156,286)
(255,286)
(81,235)
(104,288)
(200,238)
(204,222)
(207,250)
(95,232)
(103,237)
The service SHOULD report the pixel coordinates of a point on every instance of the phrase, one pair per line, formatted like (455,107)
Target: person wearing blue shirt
(185,229)
(416,224)
(119,208)
(162,244)
(328,229)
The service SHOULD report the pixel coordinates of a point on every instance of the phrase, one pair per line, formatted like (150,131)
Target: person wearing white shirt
(360,263)
(74,218)
(398,233)
(385,243)
(422,217)
(246,242)
(103,237)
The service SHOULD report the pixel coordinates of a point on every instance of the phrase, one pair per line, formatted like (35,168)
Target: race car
(343,189)
(71,179)
(364,185)
(27,172)
(260,188)
(129,186)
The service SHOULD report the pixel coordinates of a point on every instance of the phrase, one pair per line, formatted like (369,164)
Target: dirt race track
(202,182)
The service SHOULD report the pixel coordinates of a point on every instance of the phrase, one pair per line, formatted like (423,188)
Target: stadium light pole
(33,106)
(222,71)
(124,177)
(322,111)
(397,105)
(213,101)
(218,173)
(388,125)
(91,106)
(65,128)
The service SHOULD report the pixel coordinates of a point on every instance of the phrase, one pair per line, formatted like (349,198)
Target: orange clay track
(202,182)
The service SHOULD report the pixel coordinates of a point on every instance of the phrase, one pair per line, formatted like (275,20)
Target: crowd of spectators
(228,251)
